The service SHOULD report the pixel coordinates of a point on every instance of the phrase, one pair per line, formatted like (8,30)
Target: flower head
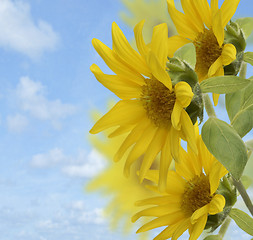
(203,25)
(151,109)
(189,198)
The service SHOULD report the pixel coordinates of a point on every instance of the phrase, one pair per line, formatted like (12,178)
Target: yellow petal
(125,112)
(183,25)
(192,14)
(181,229)
(175,183)
(139,148)
(158,71)
(217,204)
(162,221)
(228,54)
(188,130)
(218,29)
(115,63)
(176,42)
(176,115)
(228,9)
(121,86)
(184,93)
(165,161)
(202,6)
(142,48)
(215,98)
(120,130)
(214,5)
(124,50)
(152,175)
(175,141)
(153,149)
(198,228)
(157,211)
(159,43)
(215,67)
(203,211)
(160,200)
(132,137)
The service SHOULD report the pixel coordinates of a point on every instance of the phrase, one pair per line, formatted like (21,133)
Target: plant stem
(224,227)
(209,106)
(239,186)
(243,70)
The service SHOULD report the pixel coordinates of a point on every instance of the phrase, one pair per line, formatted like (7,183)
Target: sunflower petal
(159,43)
(124,50)
(121,86)
(184,93)
(200,213)
(176,115)
(158,71)
(176,42)
(198,228)
(217,204)
(218,29)
(125,112)
(228,9)
(228,54)
(142,48)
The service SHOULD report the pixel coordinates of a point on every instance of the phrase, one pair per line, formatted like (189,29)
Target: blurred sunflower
(190,197)
(152,110)
(203,25)
(153,11)
(124,192)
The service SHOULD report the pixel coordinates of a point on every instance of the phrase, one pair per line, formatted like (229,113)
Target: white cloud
(89,167)
(95,216)
(17,123)
(18,31)
(53,157)
(83,165)
(32,99)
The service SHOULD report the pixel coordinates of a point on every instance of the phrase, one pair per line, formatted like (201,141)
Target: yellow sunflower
(203,25)
(151,109)
(190,197)
(122,192)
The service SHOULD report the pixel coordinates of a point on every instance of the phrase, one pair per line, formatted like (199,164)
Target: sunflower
(203,25)
(122,192)
(151,109)
(190,197)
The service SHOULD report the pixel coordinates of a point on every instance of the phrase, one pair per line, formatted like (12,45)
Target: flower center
(158,102)
(196,194)
(207,52)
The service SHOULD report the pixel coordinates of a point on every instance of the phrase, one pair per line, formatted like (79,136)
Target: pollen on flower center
(196,194)
(158,102)
(207,51)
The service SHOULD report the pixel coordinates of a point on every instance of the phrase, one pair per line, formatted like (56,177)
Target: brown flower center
(158,102)
(207,52)
(196,194)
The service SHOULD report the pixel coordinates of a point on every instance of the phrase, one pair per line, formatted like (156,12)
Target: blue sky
(46,94)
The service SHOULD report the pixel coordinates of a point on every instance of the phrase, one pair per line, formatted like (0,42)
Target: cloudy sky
(46,94)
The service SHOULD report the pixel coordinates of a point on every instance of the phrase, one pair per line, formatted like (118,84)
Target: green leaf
(249,166)
(242,121)
(248,57)
(213,237)
(243,220)
(226,145)
(246,25)
(224,84)
(187,53)
(233,103)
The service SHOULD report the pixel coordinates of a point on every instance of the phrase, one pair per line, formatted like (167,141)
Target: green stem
(243,70)
(239,186)
(208,105)
(224,227)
